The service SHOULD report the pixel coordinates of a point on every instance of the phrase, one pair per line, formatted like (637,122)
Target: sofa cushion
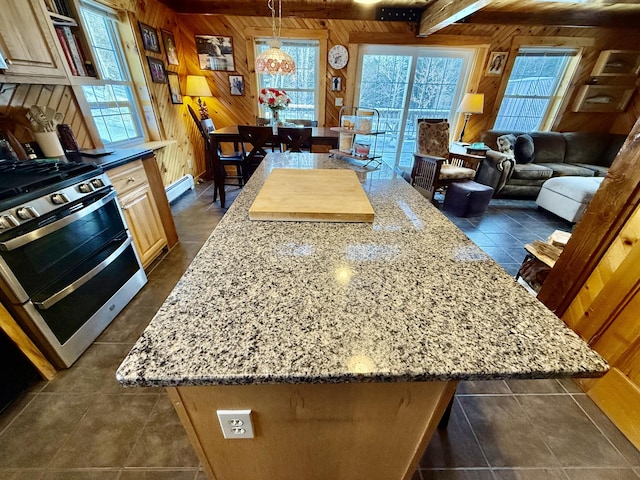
(585,147)
(451,172)
(523,150)
(569,169)
(530,171)
(598,170)
(579,189)
(550,147)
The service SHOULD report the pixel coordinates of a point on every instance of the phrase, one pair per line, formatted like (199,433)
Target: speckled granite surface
(408,297)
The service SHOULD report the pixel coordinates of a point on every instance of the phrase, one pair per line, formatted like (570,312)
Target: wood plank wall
(618,250)
(174,122)
(15,100)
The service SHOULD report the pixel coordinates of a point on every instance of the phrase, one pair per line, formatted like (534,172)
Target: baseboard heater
(180,186)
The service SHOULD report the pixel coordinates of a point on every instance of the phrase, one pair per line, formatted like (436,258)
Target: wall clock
(338,56)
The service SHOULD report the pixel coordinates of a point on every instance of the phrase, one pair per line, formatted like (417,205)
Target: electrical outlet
(235,424)
(338,101)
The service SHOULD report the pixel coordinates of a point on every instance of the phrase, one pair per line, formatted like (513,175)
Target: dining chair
(219,162)
(434,166)
(253,141)
(295,139)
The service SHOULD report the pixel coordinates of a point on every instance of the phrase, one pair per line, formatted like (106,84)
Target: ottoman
(467,199)
(568,197)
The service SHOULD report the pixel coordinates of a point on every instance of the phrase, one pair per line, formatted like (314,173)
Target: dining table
(215,171)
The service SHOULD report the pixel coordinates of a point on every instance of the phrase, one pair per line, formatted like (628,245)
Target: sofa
(546,155)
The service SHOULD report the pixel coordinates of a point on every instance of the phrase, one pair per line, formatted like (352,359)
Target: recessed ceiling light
(367,2)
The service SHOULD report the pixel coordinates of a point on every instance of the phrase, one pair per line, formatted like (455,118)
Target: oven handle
(69,289)
(57,225)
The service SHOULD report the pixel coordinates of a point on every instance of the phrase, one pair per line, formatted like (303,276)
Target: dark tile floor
(83,426)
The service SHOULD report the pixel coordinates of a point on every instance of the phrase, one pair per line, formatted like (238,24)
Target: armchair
(434,167)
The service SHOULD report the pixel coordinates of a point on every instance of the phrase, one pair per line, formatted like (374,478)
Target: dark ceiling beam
(301,9)
(443,13)
(568,18)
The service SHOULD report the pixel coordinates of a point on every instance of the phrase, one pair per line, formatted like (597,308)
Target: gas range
(68,265)
(32,188)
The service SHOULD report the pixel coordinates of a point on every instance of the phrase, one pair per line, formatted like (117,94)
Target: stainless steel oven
(67,264)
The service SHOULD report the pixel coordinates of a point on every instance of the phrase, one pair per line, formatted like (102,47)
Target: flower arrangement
(274,99)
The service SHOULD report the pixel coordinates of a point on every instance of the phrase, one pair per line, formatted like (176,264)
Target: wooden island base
(346,431)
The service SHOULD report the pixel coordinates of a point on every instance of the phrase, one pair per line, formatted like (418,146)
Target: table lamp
(197,86)
(471,103)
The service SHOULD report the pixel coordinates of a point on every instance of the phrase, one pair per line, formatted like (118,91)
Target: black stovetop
(23,180)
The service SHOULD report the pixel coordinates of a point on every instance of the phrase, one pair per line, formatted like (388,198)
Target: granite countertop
(406,298)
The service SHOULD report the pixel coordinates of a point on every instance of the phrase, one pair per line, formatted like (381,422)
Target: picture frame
(612,63)
(175,95)
(603,98)
(150,40)
(336,84)
(236,84)
(170,50)
(156,67)
(215,52)
(496,63)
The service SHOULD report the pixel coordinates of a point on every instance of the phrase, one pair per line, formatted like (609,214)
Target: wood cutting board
(312,196)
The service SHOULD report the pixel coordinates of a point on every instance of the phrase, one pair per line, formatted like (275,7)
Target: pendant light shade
(274,61)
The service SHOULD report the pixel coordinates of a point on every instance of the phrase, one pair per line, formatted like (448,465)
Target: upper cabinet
(27,44)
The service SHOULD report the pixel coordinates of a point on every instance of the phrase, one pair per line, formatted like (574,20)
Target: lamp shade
(274,61)
(197,86)
(471,103)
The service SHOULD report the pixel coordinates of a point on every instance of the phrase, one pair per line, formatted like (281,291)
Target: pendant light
(274,61)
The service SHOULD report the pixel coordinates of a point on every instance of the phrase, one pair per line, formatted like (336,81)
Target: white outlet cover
(338,101)
(235,424)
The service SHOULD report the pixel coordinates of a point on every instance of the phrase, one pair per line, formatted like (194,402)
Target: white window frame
(79,81)
(261,41)
(322,35)
(560,87)
(415,51)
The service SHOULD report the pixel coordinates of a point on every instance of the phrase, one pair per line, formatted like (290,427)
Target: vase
(277,119)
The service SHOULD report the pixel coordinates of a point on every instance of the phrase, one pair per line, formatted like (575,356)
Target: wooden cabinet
(27,44)
(140,210)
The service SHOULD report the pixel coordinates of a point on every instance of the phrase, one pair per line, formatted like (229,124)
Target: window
(110,98)
(407,83)
(537,82)
(302,87)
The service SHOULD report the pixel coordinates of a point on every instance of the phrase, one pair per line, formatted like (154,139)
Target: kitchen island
(346,340)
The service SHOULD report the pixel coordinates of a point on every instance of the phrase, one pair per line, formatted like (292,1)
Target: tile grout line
(586,414)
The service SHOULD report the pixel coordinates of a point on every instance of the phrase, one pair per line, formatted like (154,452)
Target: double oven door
(69,273)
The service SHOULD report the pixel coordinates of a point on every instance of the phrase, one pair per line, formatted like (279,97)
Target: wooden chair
(218,162)
(258,138)
(296,139)
(434,167)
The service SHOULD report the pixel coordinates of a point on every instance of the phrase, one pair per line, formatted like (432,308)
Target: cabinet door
(144,223)
(27,44)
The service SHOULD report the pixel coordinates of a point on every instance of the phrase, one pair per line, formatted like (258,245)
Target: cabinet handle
(131,179)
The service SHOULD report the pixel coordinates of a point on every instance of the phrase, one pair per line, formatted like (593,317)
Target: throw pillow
(506,144)
(523,150)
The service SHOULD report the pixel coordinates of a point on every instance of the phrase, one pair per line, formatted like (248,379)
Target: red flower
(272,101)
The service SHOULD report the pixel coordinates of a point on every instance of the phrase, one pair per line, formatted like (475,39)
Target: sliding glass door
(407,83)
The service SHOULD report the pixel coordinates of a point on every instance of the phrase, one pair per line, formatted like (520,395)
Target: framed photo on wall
(603,98)
(174,87)
(150,40)
(158,75)
(236,84)
(169,43)
(497,61)
(215,53)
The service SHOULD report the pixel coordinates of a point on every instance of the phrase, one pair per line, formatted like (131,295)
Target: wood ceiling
(436,14)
